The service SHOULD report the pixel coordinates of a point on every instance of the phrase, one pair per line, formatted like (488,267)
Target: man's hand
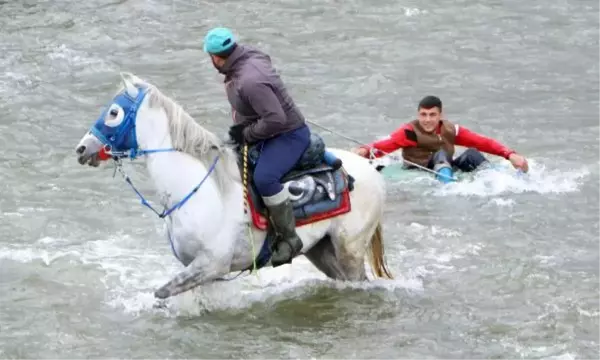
(519,162)
(361,151)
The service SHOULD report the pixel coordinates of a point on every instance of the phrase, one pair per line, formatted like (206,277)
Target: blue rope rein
(264,254)
(167,211)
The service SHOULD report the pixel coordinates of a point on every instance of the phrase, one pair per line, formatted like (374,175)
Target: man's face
(217,62)
(429,118)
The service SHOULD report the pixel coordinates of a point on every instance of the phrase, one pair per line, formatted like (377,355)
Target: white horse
(198,177)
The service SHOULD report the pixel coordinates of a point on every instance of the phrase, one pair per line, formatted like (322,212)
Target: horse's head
(114,132)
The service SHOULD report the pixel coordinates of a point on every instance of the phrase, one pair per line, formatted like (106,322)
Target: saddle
(318,190)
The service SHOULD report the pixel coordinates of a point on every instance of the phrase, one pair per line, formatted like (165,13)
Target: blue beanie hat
(218,40)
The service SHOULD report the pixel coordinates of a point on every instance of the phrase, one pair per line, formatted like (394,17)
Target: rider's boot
(281,215)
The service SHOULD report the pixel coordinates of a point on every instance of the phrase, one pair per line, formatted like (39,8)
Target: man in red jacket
(429,141)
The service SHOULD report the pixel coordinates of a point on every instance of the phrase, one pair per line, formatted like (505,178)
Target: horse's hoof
(162,294)
(160,304)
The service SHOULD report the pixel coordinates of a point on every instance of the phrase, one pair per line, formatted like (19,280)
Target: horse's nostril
(80,149)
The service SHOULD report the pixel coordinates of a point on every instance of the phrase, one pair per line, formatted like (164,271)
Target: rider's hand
(236,133)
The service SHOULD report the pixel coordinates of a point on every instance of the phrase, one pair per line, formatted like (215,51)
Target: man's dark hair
(429,102)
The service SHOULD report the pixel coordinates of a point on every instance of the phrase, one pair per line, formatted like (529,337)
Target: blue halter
(121,142)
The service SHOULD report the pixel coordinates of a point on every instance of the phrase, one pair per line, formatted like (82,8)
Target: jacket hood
(236,58)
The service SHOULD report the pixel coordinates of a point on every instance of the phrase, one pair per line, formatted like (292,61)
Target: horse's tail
(377,256)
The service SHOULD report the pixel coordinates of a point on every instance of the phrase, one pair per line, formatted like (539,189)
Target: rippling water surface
(497,266)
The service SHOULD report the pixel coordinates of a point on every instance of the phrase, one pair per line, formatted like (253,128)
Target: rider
(429,141)
(263,112)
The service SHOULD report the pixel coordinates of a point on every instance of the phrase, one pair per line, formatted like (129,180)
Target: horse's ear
(129,87)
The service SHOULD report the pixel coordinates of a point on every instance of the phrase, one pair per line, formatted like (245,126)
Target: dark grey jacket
(257,95)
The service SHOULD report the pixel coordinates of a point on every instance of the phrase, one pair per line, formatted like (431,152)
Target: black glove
(236,133)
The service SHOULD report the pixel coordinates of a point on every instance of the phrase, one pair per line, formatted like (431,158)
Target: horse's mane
(190,137)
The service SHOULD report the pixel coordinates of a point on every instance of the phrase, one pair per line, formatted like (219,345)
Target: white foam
(27,255)
(63,55)
(547,352)
(436,250)
(414,12)
(502,202)
(503,179)
(134,270)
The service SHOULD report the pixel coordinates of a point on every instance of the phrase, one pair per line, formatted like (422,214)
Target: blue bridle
(121,142)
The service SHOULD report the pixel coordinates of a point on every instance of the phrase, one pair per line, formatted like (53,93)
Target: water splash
(499,179)
(503,179)
(132,271)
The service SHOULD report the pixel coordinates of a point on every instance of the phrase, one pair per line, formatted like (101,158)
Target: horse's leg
(202,269)
(207,265)
(351,249)
(351,262)
(359,232)
(322,256)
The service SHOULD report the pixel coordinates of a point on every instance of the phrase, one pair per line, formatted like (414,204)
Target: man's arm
(468,138)
(400,138)
(266,104)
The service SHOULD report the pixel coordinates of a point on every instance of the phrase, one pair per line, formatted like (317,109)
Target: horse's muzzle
(92,160)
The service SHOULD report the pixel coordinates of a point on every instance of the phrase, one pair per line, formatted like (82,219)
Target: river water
(497,266)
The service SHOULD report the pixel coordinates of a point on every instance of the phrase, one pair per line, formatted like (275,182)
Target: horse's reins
(246,205)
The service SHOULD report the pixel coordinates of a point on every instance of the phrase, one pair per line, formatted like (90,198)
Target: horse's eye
(114,117)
